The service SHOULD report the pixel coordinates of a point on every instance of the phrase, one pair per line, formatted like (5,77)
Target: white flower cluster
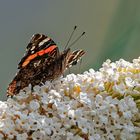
(99,105)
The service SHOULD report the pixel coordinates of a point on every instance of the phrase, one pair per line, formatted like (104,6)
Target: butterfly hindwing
(74,57)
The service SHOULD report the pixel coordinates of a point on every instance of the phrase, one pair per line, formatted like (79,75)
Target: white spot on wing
(32,52)
(43,41)
(33,47)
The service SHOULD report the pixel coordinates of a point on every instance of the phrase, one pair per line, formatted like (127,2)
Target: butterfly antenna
(70,37)
(76,39)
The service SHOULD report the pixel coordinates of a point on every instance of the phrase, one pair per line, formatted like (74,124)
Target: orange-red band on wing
(39,53)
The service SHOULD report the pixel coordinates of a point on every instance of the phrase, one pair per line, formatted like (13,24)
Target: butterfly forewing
(39,45)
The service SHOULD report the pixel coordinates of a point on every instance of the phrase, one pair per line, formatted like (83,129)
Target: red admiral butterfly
(41,62)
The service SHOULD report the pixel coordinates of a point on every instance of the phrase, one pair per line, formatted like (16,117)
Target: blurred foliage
(122,38)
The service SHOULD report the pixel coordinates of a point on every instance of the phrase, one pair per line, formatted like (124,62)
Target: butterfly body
(42,62)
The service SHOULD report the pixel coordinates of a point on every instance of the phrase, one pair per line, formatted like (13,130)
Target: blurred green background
(112,30)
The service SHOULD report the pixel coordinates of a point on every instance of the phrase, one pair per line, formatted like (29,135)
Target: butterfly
(41,62)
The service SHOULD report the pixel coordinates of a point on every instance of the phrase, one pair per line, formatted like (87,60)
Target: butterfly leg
(80,65)
(69,70)
(32,88)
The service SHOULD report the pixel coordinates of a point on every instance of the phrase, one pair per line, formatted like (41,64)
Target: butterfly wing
(55,66)
(74,57)
(32,73)
(39,45)
(59,64)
